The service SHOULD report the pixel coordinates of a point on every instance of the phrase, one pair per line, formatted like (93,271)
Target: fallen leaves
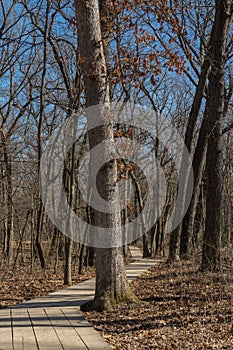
(23,285)
(179,309)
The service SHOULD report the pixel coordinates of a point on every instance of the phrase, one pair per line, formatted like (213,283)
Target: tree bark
(214,157)
(111,282)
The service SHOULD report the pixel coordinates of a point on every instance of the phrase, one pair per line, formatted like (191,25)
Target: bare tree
(111,282)
(214,157)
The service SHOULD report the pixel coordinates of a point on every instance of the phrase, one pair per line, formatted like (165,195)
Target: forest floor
(179,308)
(22,284)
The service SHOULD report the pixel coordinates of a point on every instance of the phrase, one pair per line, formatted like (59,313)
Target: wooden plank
(69,338)
(23,334)
(5,330)
(72,296)
(46,337)
(135,252)
(89,335)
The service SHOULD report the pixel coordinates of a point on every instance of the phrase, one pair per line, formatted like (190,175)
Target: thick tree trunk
(214,158)
(111,282)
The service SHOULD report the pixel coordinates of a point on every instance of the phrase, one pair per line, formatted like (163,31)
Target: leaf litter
(179,309)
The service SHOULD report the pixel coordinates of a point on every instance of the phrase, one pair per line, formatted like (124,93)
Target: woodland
(174,58)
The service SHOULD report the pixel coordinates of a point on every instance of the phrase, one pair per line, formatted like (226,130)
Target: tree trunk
(70,189)
(138,192)
(68,261)
(179,235)
(214,164)
(199,157)
(111,282)
(182,234)
(198,164)
(7,186)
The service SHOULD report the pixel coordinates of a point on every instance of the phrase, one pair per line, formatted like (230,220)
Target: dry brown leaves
(23,285)
(179,309)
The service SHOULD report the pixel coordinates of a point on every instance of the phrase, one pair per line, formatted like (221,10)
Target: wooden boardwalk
(47,329)
(53,322)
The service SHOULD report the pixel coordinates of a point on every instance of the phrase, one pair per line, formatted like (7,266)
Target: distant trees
(13,77)
(31,110)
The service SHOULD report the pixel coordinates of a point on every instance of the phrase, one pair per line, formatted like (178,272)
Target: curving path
(53,322)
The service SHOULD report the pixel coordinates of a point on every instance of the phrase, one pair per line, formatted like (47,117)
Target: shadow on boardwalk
(54,322)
